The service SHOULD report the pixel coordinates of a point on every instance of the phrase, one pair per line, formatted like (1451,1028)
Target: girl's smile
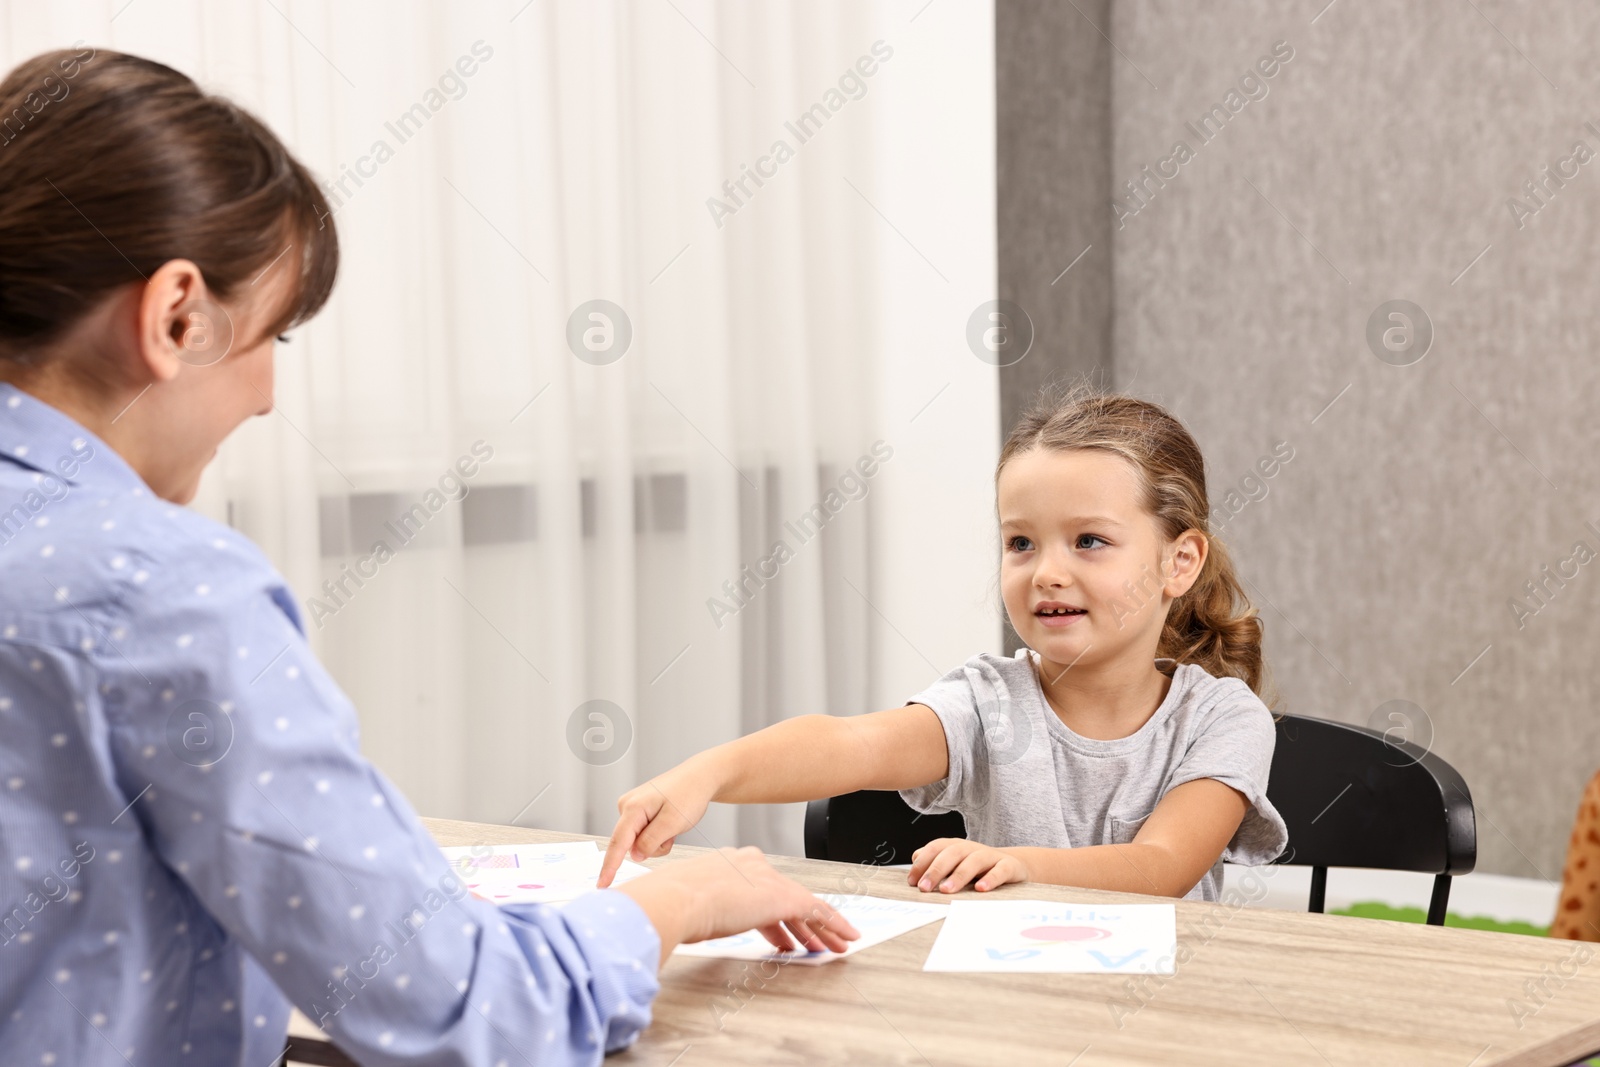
(1055,614)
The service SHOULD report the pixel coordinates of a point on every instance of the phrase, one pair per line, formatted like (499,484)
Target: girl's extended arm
(1173,850)
(804,758)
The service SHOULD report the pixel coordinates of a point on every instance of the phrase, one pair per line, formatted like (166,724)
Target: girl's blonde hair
(1213,624)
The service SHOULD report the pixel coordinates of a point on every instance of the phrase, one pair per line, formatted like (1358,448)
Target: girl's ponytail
(1215,625)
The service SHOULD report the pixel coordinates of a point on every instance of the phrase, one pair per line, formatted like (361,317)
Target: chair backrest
(1353,797)
(873,826)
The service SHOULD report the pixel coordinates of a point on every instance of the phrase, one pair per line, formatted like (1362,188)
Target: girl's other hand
(950,863)
(652,816)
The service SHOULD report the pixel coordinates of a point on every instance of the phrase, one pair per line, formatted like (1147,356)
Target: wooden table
(1260,987)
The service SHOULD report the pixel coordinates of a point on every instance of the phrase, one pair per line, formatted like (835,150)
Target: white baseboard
(1497,896)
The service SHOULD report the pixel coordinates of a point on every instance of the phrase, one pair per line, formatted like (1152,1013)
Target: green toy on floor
(1371,909)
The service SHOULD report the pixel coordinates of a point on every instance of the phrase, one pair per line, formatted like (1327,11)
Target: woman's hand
(730,891)
(651,816)
(951,862)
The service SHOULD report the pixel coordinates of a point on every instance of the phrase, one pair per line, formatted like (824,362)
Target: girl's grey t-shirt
(1020,777)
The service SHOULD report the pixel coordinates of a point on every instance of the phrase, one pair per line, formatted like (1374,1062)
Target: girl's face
(1085,572)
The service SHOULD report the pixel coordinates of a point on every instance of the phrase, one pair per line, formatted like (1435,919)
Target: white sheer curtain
(535,158)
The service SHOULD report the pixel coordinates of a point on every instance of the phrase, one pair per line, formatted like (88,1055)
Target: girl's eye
(1090,537)
(284,338)
(1019,544)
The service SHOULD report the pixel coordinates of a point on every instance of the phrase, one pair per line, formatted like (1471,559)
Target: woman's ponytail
(111,165)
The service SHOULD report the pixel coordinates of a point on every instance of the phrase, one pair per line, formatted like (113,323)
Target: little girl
(1124,748)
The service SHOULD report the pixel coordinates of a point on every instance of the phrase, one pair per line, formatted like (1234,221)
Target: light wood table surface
(1261,987)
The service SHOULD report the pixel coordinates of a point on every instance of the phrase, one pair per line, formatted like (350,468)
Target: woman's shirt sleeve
(243,755)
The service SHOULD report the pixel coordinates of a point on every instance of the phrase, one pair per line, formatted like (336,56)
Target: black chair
(873,826)
(1353,797)
(1350,796)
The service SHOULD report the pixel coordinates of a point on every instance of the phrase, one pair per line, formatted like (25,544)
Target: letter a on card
(1014,954)
(1120,961)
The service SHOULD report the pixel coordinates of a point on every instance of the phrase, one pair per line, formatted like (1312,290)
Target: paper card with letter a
(1042,936)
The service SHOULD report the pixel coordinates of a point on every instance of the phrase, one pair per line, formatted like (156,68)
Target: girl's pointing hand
(650,818)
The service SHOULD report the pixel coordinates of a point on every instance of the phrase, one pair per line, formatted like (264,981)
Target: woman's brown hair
(111,165)
(1213,624)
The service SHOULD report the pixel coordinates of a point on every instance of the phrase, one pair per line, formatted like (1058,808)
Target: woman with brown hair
(190,839)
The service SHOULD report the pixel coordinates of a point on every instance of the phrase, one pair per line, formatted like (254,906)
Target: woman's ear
(1185,557)
(179,322)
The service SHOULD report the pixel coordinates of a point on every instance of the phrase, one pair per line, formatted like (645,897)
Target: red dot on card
(530,887)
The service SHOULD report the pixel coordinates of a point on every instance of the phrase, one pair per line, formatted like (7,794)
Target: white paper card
(534,874)
(1042,936)
(878,919)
